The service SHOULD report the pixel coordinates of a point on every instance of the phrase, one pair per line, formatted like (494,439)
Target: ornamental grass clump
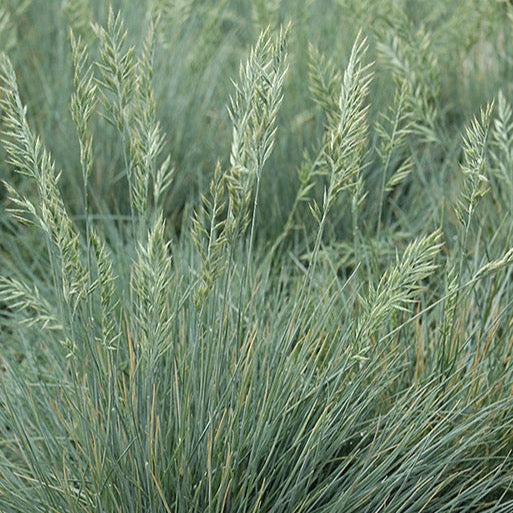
(353,358)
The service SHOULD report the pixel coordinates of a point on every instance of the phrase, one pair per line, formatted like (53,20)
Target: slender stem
(253,218)
(354,212)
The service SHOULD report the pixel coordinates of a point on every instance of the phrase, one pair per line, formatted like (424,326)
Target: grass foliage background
(256,256)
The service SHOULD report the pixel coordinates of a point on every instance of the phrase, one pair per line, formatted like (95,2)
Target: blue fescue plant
(184,356)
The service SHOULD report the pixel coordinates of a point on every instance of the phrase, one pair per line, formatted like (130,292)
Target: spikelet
(28,156)
(209,237)
(475,165)
(398,286)
(253,110)
(150,293)
(29,301)
(129,103)
(83,104)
